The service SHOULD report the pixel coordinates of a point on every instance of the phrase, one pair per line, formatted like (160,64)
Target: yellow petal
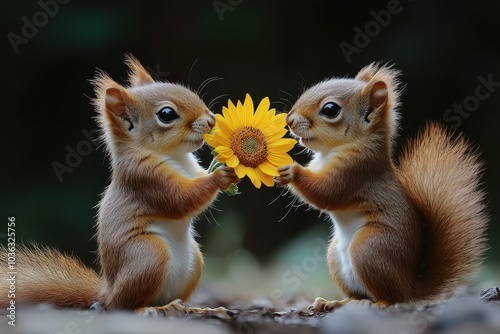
(279,120)
(270,116)
(279,159)
(209,136)
(268,180)
(220,159)
(230,105)
(269,169)
(222,138)
(224,151)
(233,161)
(274,124)
(223,125)
(240,171)
(263,105)
(231,115)
(227,114)
(262,113)
(272,136)
(240,114)
(282,145)
(210,139)
(253,177)
(248,109)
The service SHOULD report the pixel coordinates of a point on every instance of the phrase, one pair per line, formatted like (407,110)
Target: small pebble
(490,294)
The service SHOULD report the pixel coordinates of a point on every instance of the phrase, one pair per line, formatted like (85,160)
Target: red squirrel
(147,251)
(408,230)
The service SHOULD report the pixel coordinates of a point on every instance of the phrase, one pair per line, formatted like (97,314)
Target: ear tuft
(367,72)
(138,75)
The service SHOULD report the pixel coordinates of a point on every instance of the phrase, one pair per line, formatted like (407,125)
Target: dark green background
(265,48)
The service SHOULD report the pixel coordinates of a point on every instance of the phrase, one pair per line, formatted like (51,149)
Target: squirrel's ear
(377,94)
(118,101)
(138,75)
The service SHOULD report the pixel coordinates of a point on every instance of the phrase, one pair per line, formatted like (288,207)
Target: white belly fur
(178,237)
(346,225)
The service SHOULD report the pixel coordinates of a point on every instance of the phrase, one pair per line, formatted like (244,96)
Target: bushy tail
(46,275)
(442,176)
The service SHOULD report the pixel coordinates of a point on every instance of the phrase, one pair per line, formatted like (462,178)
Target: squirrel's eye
(330,110)
(167,115)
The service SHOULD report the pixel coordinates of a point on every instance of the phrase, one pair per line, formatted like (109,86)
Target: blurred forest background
(445,49)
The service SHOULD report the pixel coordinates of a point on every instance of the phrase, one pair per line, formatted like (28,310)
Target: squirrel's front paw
(286,175)
(225,176)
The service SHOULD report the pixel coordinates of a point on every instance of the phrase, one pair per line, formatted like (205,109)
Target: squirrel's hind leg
(140,279)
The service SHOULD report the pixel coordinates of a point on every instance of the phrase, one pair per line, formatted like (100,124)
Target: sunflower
(251,142)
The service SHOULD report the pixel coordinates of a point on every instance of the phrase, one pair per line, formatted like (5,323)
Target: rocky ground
(467,312)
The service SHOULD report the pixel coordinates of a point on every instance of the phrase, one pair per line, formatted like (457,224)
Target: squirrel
(146,248)
(408,230)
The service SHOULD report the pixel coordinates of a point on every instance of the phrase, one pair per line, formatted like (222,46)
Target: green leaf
(232,190)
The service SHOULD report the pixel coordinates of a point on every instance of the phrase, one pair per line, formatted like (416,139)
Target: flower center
(250,146)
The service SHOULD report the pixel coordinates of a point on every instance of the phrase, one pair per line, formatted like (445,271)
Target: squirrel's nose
(289,120)
(211,120)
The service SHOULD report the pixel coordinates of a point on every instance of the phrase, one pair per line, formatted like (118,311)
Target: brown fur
(424,231)
(42,276)
(453,206)
(155,178)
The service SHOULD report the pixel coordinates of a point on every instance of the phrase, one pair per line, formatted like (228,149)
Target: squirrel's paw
(225,177)
(286,175)
(323,305)
(175,308)
(366,303)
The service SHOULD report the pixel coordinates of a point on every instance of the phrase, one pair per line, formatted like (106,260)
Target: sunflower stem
(214,165)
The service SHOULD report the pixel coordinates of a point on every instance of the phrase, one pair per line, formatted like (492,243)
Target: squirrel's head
(341,111)
(156,117)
